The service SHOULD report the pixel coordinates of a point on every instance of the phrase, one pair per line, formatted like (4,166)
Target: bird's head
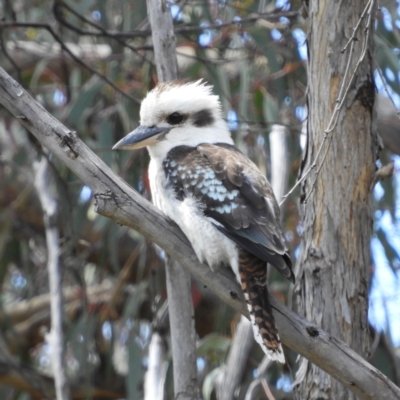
(174,114)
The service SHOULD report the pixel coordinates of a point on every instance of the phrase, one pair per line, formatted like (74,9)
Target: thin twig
(239,351)
(39,385)
(355,30)
(177,29)
(6,24)
(375,343)
(157,369)
(56,336)
(378,68)
(267,390)
(61,20)
(9,58)
(382,173)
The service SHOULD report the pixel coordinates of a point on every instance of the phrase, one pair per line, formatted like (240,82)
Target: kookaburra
(217,196)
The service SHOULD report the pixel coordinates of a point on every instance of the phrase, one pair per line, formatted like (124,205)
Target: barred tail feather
(253,276)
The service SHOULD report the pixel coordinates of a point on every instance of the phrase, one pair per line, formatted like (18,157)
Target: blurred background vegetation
(90,62)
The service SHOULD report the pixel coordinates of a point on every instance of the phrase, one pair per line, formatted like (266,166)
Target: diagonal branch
(117,200)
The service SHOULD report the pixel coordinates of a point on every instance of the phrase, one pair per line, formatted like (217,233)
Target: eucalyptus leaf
(83,101)
(210,382)
(213,342)
(105,140)
(136,372)
(271,111)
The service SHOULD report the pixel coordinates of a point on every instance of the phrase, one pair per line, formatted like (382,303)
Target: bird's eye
(175,118)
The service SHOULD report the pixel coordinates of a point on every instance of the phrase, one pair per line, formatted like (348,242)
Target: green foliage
(213,346)
(210,383)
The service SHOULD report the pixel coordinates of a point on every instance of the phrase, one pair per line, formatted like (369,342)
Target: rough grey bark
(332,271)
(162,33)
(183,334)
(117,200)
(181,312)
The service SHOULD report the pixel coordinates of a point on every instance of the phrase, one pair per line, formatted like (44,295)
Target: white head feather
(187,99)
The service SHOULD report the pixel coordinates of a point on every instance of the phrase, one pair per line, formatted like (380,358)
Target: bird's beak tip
(140,137)
(119,145)
(115,147)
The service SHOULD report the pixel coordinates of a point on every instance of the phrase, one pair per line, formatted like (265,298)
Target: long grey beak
(142,136)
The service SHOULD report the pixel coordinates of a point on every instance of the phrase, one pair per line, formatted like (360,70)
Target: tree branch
(56,336)
(157,370)
(117,200)
(239,351)
(181,312)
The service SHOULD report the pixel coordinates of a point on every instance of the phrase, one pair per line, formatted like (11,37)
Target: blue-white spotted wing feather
(235,195)
(253,220)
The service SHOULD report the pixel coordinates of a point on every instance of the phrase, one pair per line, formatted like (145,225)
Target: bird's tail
(253,276)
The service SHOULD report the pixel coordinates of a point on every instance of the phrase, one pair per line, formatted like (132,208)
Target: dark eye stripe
(203,118)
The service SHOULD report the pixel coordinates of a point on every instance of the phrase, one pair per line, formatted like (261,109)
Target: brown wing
(233,193)
(255,223)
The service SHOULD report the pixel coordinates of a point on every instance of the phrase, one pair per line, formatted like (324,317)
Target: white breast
(210,245)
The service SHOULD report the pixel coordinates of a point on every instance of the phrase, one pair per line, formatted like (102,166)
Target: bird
(217,196)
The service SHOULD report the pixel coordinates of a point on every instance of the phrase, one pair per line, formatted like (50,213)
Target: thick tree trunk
(332,277)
